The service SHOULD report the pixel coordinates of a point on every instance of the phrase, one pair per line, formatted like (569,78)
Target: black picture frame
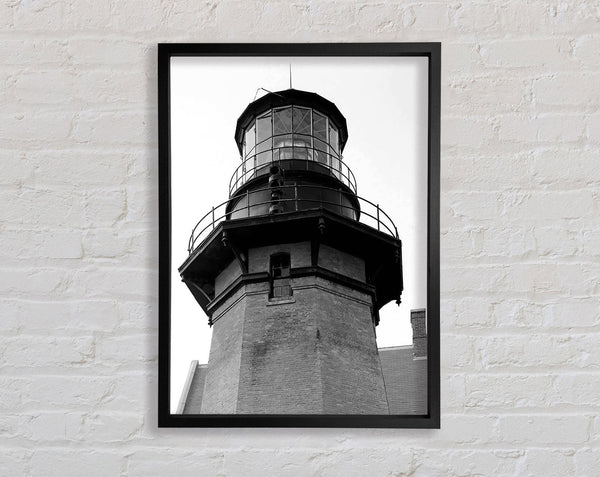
(432,51)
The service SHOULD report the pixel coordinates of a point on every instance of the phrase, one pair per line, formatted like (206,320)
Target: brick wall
(520,240)
(312,353)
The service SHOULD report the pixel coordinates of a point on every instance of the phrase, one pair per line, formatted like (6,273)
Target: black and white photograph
(300,259)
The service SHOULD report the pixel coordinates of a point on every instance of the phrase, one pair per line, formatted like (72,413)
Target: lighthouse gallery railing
(370,213)
(253,166)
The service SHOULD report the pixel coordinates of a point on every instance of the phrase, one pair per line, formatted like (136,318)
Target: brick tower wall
(314,352)
(222,376)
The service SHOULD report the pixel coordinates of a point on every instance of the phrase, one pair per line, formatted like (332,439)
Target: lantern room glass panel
(282,121)
(301,120)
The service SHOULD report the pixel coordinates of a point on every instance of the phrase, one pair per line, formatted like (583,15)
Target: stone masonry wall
(520,245)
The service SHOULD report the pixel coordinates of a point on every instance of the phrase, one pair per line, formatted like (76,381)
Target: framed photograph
(299,235)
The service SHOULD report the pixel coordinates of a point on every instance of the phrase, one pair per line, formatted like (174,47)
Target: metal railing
(369,213)
(303,158)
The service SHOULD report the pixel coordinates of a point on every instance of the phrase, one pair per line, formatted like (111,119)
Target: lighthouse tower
(292,270)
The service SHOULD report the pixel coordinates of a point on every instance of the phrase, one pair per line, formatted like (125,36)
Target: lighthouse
(292,270)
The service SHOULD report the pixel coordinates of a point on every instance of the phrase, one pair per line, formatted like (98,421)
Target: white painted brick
(43,15)
(144,462)
(115,88)
(67,462)
(568,89)
(544,429)
(551,206)
(579,279)
(320,14)
(545,53)
(15,462)
(41,207)
(98,128)
(463,429)
(591,242)
(466,132)
(424,18)
(106,52)
(575,18)
(382,17)
(108,243)
(457,462)
(43,87)
(553,242)
(32,281)
(542,129)
(133,315)
(105,208)
(564,168)
(572,313)
(587,462)
(88,14)
(58,244)
(103,427)
(142,205)
(586,49)
(328,464)
(452,392)
(188,14)
(508,391)
(47,392)
(594,128)
(62,245)
(45,426)
(26,316)
(107,283)
(484,15)
(134,392)
(15,168)
(37,51)
(528,350)
(476,206)
(473,311)
(458,352)
(508,242)
(460,59)
(26,351)
(132,17)
(462,172)
(29,125)
(577,389)
(492,93)
(279,12)
(89,168)
(517,313)
(523,18)
(461,244)
(535,277)
(14,395)
(123,350)
(479,279)
(548,462)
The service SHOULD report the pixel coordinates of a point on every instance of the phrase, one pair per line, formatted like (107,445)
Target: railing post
(296,195)
(377,216)
(213,217)
(248,201)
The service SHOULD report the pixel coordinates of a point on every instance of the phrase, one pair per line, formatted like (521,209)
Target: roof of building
(405,380)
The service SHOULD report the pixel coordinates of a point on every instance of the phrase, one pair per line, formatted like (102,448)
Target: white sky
(384,101)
